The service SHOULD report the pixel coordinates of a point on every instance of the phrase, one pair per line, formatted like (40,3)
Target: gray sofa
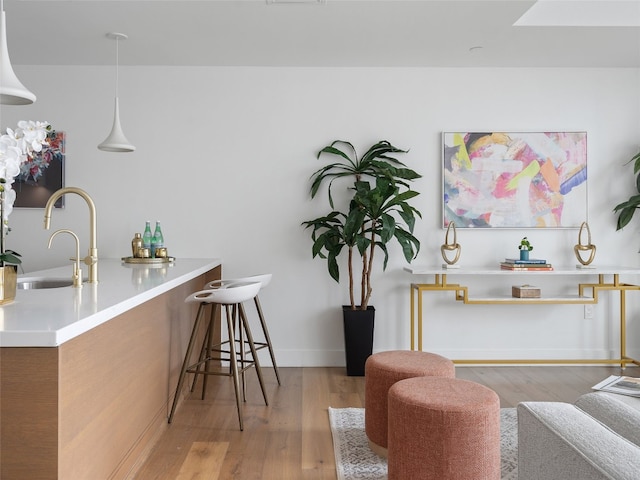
(596,438)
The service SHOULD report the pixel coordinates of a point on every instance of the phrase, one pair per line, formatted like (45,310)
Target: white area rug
(356,461)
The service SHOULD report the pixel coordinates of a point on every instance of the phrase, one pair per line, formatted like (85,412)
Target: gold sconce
(580,247)
(450,246)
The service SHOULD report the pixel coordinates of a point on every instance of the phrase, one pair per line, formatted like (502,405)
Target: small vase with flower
(525,247)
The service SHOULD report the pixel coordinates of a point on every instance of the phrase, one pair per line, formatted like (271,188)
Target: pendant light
(12,92)
(116,141)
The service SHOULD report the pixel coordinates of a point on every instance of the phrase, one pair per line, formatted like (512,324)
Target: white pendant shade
(116,141)
(12,92)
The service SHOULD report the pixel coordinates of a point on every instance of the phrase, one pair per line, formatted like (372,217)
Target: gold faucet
(92,258)
(77,270)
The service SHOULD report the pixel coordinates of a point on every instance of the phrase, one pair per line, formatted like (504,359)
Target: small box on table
(525,291)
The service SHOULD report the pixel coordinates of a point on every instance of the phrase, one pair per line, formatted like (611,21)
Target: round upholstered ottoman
(443,429)
(382,370)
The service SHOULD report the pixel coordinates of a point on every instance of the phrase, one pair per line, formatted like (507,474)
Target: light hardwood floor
(290,439)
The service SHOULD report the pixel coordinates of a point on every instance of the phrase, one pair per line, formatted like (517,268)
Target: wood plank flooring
(290,439)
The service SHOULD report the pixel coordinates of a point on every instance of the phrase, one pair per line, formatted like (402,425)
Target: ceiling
(361,33)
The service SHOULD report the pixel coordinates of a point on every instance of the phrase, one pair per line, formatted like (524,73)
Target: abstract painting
(42,174)
(514,179)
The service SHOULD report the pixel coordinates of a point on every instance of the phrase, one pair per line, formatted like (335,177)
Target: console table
(599,279)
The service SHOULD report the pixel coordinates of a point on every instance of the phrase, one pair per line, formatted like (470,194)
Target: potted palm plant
(375,212)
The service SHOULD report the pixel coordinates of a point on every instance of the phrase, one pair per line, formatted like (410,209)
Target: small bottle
(147,236)
(157,240)
(136,244)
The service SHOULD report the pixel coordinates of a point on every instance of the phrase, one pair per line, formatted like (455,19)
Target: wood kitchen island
(87,376)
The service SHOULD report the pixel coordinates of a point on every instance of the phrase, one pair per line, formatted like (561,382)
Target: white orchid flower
(16,146)
(33,134)
(11,157)
(9,199)
(14,138)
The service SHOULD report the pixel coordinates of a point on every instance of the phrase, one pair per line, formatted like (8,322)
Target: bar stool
(264,280)
(230,296)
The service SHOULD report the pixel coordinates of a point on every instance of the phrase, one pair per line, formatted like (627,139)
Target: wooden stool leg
(208,340)
(234,363)
(185,362)
(243,356)
(203,349)
(265,330)
(201,357)
(254,353)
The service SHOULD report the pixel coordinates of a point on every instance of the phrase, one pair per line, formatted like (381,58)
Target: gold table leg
(413,320)
(419,319)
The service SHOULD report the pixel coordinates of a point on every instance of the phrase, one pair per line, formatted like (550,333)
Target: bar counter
(87,375)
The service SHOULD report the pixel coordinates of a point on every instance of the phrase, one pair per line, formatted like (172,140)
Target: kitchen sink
(38,283)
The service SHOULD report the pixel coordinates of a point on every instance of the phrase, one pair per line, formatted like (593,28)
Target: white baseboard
(336,358)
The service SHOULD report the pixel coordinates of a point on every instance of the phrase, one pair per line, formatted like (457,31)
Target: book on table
(525,267)
(619,384)
(531,261)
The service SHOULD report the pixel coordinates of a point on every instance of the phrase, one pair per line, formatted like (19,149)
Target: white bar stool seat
(264,280)
(231,296)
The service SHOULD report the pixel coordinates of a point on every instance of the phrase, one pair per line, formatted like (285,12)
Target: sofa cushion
(558,441)
(621,413)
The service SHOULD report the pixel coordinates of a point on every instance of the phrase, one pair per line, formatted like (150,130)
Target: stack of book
(533,264)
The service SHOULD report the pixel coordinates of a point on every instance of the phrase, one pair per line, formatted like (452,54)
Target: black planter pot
(358,338)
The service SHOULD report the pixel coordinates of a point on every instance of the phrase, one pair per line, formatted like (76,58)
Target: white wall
(223,160)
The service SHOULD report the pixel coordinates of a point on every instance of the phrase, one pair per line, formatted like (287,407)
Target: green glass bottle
(157,240)
(147,236)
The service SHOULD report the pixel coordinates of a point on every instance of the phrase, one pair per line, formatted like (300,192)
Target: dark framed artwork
(42,174)
(514,179)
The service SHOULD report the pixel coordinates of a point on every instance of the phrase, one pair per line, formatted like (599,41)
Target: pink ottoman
(384,369)
(443,429)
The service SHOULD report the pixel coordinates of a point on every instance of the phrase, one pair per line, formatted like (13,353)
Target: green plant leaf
(336,151)
(636,165)
(333,171)
(10,257)
(353,224)
(332,265)
(379,149)
(408,215)
(626,214)
(401,198)
(387,228)
(410,244)
(362,243)
(385,260)
(633,201)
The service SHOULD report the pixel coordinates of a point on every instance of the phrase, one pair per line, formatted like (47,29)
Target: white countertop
(50,317)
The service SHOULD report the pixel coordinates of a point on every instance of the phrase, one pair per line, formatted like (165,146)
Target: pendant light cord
(117,62)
